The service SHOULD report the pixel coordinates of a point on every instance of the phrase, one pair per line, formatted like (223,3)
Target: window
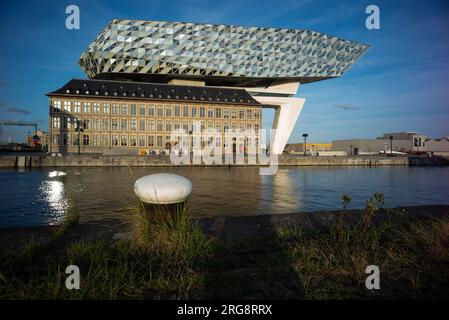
(168,111)
(124,140)
(151,125)
(86,107)
(185,111)
(141,141)
(210,126)
(132,140)
(159,125)
(249,114)
(256,127)
(142,124)
(142,110)
(105,140)
(86,124)
(86,140)
(151,141)
(256,114)
(133,110)
(160,111)
(96,108)
(226,113)
(95,140)
(106,108)
(56,139)
(234,113)
(77,107)
(124,109)
(167,125)
(115,124)
(114,140)
(193,111)
(133,124)
(177,125)
(210,112)
(177,111)
(217,127)
(114,108)
(105,124)
(56,106)
(159,141)
(96,124)
(123,124)
(242,114)
(217,141)
(242,127)
(151,110)
(67,105)
(249,126)
(217,112)
(76,140)
(185,126)
(202,112)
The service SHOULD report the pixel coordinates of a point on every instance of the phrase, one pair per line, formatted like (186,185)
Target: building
(235,69)
(311,147)
(126,117)
(39,137)
(438,147)
(406,142)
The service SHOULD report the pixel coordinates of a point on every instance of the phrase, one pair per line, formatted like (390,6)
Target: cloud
(346,106)
(17,110)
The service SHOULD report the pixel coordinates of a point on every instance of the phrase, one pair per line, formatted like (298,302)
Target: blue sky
(401,83)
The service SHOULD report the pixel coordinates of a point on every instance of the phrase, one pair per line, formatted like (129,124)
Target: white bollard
(163,188)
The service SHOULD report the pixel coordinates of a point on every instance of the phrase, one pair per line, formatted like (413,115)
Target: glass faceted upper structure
(194,50)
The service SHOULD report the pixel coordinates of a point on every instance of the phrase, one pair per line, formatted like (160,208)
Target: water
(42,197)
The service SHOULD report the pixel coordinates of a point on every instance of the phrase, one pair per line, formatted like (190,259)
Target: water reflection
(44,196)
(52,192)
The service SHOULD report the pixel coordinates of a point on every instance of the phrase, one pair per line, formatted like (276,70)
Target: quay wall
(38,161)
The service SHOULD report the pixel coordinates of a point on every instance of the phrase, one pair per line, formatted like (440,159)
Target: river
(43,196)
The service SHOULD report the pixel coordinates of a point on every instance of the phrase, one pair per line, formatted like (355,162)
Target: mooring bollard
(161,192)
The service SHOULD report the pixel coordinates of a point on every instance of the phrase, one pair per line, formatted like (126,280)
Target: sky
(400,84)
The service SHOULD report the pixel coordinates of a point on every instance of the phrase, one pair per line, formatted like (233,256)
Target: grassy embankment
(167,257)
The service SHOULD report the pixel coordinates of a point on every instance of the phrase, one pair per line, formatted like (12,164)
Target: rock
(163,188)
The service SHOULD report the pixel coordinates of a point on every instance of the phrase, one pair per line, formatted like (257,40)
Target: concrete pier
(39,161)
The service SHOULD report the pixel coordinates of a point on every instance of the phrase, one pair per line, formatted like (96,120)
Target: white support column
(287,112)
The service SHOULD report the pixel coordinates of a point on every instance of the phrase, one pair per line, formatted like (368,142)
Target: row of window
(160,111)
(143,125)
(124,140)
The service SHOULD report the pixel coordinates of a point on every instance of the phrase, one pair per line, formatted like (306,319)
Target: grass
(166,256)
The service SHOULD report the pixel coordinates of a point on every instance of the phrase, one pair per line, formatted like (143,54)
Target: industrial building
(438,147)
(405,142)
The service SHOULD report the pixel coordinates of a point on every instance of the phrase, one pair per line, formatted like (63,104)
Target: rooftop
(153,91)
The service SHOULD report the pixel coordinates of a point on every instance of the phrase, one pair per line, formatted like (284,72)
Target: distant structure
(438,147)
(39,138)
(148,77)
(407,142)
(311,147)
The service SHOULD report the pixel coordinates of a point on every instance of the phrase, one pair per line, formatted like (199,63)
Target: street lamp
(79,129)
(305,135)
(391,145)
